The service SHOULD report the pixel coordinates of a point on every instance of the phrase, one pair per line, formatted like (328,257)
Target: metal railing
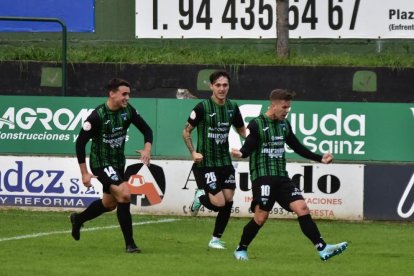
(64,41)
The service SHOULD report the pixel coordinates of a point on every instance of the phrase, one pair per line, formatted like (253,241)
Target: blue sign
(78,15)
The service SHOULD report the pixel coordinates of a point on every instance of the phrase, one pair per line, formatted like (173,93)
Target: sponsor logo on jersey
(86,126)
(276,138)
(124,116)
(274,153)
(220,138)
(230,112)
(213,185)
(230,180)
(115,129)
(296,192)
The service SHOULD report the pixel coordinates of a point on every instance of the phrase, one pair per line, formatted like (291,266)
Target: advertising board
(167,187)
(257,19)
(351,131)
(389,192)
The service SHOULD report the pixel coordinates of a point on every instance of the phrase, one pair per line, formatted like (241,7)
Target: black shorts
(270,189)
(215,179)
(109,176)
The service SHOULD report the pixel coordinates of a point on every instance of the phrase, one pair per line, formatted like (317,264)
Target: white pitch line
(36,235)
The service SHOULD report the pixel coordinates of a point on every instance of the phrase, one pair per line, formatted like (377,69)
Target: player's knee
(302,210)
(110,206)
(215,208)
(225,208)
(260,220)
(124,198)
(219,203)
(260,216)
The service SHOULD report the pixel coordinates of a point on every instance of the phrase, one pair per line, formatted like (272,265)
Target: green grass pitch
(39,243)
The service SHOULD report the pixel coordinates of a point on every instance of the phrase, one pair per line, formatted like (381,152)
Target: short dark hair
(217,74)
(281,94)
(115,83)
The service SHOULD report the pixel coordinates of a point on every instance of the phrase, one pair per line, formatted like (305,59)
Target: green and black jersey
(213,122)
(266,147)
(108,131)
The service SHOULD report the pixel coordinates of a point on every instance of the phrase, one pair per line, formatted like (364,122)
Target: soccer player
(107,126)
(212,168)
(265,145)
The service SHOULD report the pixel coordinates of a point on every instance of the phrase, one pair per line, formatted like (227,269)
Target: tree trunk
(282,28)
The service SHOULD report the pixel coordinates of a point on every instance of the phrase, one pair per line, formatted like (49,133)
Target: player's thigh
(108,176)
(289,195)
(109,201)
(260,216)
(299,207)
(206,178)
(226,177)
(263,189)
(226,183)
(121,192)
(228,194)
(217,199)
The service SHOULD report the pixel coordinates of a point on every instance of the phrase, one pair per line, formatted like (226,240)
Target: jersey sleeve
(142,126)
(89,129)
(238,119)
(252,140)
(293,142)
(196,115)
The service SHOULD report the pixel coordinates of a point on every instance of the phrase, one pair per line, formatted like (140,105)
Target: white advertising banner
(47,182)
(167,187)
(257,19)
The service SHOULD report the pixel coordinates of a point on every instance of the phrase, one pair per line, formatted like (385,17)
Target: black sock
(205,200)
(125,221)
(222,219)
(249,232)
(94,210)
(311,231)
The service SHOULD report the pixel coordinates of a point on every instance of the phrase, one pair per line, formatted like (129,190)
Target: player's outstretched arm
(236,153)
(242,131)
(293,142)
(197,157)
(145,153)
(250,144)
(86,133)
(327,158)
(86,176)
